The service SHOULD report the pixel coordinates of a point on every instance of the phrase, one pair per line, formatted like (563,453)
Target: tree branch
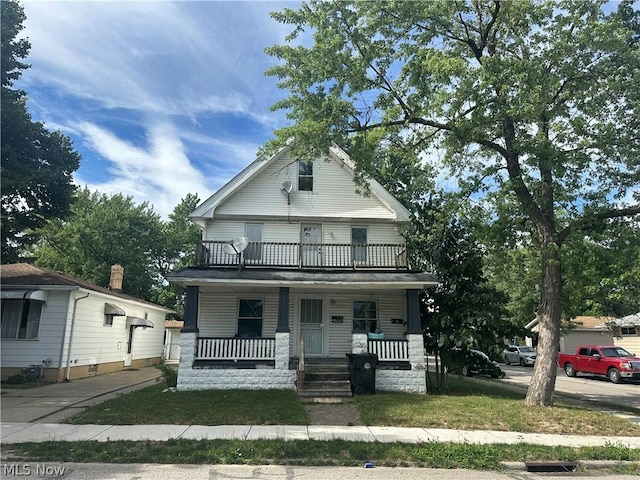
(589,221)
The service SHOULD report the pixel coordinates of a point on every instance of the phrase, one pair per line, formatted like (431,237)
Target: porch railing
(305,255)
(218,348)
(389,350)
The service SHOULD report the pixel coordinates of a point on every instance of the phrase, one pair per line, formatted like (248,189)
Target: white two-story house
(296,267)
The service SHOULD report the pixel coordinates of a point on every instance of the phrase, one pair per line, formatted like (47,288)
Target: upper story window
(253,231)
(359,243)
(305,176)
(21,318)
(628,331)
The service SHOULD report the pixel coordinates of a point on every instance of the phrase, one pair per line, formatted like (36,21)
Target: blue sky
(160,98)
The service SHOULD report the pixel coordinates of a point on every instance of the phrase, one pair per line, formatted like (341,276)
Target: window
(305,176)
(359,244)
(253,231)
(365,317)
(250,318)
(21,318)
(628,331)
(108,319)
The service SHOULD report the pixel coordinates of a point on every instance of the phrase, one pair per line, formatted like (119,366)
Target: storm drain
(550,466)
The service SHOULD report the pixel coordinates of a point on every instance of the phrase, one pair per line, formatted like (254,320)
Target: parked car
(609,360)
(476,362)
(519,354)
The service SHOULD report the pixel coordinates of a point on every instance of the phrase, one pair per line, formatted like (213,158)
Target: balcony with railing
(305,255)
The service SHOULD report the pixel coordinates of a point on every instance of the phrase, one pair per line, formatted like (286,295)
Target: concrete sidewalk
(42,432)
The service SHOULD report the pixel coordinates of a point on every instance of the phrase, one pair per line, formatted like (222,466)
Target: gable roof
(578,323)
(23,275)
(207,208)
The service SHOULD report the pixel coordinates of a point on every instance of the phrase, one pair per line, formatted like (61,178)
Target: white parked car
(519,354)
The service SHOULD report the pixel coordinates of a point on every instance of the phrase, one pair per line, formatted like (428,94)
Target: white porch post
(282,350)
(359,343)
(188,349)
(416,351)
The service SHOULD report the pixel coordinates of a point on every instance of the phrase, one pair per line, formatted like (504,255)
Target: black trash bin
(362,372)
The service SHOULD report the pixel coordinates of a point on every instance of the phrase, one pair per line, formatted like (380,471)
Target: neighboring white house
(297,268)
(63,328)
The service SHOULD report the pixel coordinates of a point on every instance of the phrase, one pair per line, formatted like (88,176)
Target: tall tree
(533,99)
(101,231)
(37,165)
(464,311)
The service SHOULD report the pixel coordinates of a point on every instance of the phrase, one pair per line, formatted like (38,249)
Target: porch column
(413,313)
(414,331)
(283,310)
(191,310)
(188,338)
(283,333)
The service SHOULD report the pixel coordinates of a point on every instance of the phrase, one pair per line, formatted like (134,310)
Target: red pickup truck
(614,362)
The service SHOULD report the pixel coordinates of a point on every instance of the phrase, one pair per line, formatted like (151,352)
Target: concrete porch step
(324,393)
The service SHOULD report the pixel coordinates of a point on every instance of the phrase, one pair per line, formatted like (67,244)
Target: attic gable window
(305,176)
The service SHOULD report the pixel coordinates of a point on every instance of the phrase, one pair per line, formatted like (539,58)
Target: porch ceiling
(392,280)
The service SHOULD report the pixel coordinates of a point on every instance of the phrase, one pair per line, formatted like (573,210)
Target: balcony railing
(306,255)
(217,348)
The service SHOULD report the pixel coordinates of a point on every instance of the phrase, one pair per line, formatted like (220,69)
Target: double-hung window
(21,319)
(365,316)
(250,318)
(305,176)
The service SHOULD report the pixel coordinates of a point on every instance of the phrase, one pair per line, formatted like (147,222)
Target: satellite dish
(286,187)
(235,246)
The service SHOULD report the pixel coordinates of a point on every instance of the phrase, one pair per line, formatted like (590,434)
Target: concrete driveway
(55,402)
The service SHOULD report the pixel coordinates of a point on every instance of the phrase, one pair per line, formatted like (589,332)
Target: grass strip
(311,453)
(206,407)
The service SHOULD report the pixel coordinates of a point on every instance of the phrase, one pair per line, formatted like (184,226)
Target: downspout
(73,324)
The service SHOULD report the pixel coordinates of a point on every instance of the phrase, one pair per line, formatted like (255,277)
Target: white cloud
(159,173)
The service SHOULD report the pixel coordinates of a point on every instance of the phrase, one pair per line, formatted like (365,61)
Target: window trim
(108,319)
(367,320)
(261,318)
(305,175)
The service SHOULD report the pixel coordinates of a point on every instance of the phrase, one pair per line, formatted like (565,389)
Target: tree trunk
(543,380)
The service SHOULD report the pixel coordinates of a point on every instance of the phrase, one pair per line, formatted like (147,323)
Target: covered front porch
(297,322)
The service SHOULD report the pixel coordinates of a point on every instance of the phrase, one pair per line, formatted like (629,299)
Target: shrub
(168,374)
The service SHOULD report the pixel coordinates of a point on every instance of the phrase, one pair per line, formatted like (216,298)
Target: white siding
(334,194)
(22,353)
(219,311)
(95,343)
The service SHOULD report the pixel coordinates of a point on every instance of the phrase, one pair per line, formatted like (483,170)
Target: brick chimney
(115,282)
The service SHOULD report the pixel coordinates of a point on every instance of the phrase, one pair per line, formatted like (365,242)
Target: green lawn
(208,407)
(466,406)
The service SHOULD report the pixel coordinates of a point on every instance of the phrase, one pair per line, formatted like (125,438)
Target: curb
(582,465)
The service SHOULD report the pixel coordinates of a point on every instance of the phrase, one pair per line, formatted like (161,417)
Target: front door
(127,357)
(311,326)
(311,245)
